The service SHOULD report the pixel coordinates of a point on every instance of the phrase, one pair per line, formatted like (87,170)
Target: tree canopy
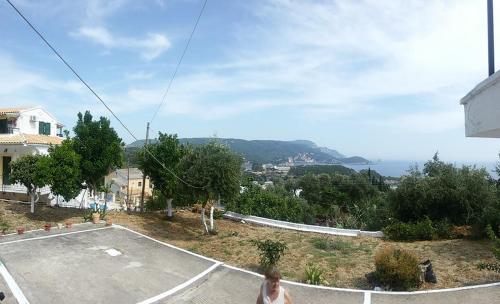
(100,149)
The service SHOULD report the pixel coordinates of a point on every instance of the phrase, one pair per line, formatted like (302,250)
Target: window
(44,128)
(139,184)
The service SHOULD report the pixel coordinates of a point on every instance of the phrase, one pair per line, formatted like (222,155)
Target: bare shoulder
(288,298)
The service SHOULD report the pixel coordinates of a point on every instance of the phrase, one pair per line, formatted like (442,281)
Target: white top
(265,298)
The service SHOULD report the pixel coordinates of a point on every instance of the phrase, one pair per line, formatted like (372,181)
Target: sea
(398,168)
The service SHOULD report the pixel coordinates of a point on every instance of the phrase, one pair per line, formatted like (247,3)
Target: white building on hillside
(24,131)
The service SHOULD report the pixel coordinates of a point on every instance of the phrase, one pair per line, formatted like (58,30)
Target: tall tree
(64,166)
(169,152)
(32,172)
(211,172)
(100,149)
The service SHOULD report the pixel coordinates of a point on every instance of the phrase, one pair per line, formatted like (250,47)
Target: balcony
(482,109)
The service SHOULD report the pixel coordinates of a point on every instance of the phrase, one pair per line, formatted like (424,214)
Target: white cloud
(150,47)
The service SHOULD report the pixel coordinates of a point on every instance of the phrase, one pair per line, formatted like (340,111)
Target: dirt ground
(345,260)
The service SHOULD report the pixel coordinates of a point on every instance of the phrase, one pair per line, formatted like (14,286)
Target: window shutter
(47,129)
(40,127)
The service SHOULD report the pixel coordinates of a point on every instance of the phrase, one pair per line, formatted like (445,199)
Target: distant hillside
(271,151)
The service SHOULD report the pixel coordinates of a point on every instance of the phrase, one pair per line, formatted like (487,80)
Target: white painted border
(53,228)
(367,293)
(300,227)
(181,286)
(168,245)
(14,288)
(314,286)
(52,236)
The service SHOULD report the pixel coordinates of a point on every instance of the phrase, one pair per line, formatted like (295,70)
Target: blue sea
(397,168)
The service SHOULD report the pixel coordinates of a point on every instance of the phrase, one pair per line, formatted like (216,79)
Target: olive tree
(211,172)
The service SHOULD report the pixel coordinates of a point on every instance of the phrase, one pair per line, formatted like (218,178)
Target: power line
(96,95)
(178,63)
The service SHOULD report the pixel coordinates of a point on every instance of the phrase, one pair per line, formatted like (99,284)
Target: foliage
(421,230)
(398,269)
(211,172)
(270,251)
(464,196)
(87,215)
(314,275)
(371,213)
(327,191)
(169,152)
(273,203)
(30,171)
(299,171)
(100,149)
(64,166)
(489,266)
(496,242)
(156,201)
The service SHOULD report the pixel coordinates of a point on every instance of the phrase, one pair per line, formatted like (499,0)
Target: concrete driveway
(92,263)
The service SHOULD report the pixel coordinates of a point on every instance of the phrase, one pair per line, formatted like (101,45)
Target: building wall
(16,151)
(31,127)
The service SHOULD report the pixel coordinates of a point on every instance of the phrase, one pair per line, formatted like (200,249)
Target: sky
(377,78)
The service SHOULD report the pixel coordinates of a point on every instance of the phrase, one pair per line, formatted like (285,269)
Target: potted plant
(68,224)
(20,230)
(47,226)
(109,222)
(96,216)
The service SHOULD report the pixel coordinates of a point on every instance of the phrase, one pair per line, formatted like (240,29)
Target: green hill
(269,151)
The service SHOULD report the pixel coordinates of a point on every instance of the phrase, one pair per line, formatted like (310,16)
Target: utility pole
(128,186)
(491,41)
(144,175)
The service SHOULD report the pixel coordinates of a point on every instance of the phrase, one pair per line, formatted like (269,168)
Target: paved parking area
(93,263)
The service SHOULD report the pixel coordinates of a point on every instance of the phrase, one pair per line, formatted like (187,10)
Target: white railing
(300,227)
(18,188)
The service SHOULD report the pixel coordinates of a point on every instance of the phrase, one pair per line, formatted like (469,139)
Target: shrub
(314,275)
(397,269)
(444,229)
(270,252)
(399,232)
(496,242)
(489,266)
(422,230)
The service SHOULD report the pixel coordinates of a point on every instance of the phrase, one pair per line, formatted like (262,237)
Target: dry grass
(345,260)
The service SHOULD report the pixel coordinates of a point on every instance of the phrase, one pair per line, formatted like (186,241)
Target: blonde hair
(272,274)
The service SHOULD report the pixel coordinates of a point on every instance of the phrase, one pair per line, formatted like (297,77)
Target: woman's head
(273,277)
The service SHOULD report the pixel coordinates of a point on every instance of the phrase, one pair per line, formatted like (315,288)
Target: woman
(270,291)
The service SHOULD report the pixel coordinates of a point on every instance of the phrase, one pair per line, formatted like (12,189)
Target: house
(24,131)
(125,182)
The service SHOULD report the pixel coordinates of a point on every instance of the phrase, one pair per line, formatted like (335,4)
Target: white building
(24,131)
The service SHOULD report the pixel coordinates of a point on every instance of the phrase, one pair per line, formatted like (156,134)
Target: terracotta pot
(109,222)
(68,224)
(96,218)
(20,230)
(47,227)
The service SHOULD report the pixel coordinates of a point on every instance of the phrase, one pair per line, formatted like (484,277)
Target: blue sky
(379,78)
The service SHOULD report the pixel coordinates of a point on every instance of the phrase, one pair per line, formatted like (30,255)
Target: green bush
(419,231)
(489,266)
(399,232)
(397,269)
(314,275)
(444,229)
(274,203)
(270,252)
(496,242)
